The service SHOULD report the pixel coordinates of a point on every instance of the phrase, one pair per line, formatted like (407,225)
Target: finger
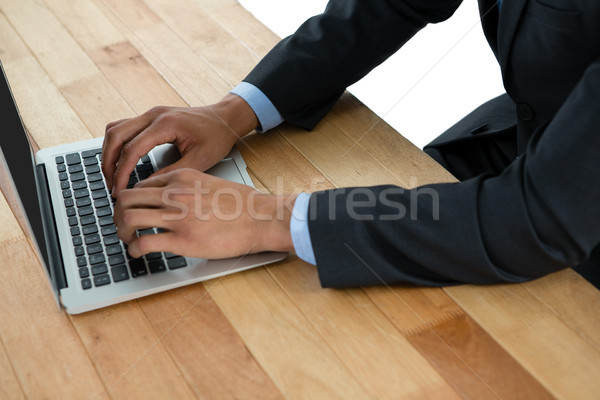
(114,123)
(132,219)
(140,198)
(155,181)
(115,138)
(135,149)
(153,244)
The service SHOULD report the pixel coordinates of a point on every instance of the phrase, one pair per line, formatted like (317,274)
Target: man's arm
(305,74)
(539,216)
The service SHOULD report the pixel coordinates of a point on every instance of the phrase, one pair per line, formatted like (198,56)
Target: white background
(443,73)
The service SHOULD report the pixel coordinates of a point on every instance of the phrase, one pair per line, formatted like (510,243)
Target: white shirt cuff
(267,114)
(299,229)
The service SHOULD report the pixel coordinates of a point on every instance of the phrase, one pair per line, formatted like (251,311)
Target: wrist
(274,231)
(236,114)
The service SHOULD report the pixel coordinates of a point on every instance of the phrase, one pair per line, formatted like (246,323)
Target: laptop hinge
(56,266)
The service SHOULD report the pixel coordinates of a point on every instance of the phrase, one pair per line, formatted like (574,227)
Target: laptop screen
(19,158)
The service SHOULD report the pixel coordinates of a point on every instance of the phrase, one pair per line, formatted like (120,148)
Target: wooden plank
(188,73)
(10,387)
(363,338)
(209,352)
(41,344)
(129,355)
(573,299)
(250,32)
(54,48)
(206,37)
(282,340)
(134,78)
(556,355)
(102,103)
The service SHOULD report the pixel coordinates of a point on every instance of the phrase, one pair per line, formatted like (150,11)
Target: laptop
(69,211)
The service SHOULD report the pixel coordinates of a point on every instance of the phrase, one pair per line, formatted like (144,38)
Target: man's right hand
(203,135)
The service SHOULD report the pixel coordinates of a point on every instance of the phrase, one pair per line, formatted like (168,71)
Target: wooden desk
(270,332)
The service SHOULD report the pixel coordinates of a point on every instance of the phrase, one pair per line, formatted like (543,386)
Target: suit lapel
(510,14)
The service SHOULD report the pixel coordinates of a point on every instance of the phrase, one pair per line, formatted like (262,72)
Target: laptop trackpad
(167,154)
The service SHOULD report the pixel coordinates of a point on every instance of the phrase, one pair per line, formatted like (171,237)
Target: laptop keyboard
(102,259)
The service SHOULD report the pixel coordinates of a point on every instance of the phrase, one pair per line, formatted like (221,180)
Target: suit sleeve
(542,214)
(306,73)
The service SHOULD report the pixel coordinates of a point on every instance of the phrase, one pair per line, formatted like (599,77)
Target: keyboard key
(137,267)
(73,221)
(79,251)
(83,211)
(90,229)
(91,239)
(84,272)
(96,185)
(112,239)
(170,255)
(59,159)
(81,261)
(75,231)
(144,175)
(153,256)
(61,168)
(148,231)
(98,194)
(73,158)
(92,169)
(116,259)
(84,202)
(66,193)
(143,167)
(94,248)
(114,249)
(77,241)
(63,176)
(81,193)
(109,230)
(90,161)
(178,262)
(65,185)
(86,283)
(71,211)
(157,266)
(101,203)
(119,273)
(103,212)
(69,202)
(75,168)
(101,280)
(145,159)
(97,259)
(77,177)
(104,221)
(79,185)
(90,153)
(99,269)
(94,177)
(87,220)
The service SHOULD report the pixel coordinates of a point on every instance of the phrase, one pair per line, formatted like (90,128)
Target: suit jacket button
(525,112)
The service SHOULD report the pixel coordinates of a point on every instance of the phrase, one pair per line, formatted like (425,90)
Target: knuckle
(127,217)
(156,110)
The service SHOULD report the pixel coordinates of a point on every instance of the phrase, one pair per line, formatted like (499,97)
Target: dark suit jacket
(539,215)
